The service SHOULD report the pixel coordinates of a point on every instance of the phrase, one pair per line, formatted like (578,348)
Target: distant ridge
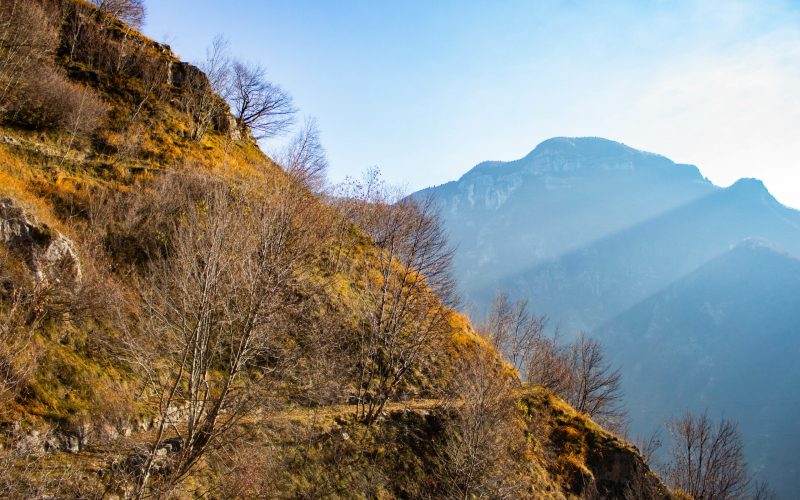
(580,152)
(595,233)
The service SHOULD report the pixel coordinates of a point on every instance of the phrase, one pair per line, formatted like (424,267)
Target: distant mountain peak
(752,189)
(584,146)
(756,244)
(565,155)
(749,184)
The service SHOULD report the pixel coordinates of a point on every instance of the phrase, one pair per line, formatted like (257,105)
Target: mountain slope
(591,284)
(508,217)
(724,338)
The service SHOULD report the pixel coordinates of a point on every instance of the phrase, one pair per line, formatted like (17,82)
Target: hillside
(180,316)
(608,275)
(730,329)
(646,255)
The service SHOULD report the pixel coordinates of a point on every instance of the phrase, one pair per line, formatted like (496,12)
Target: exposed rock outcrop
(50,255)
(586,460)
(190,79)
(619,472)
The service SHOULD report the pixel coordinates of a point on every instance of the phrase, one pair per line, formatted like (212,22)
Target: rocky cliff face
(49,254)
(583,459)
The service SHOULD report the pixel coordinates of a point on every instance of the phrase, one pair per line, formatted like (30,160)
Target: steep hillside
(723,338)
(181,317)
(589,285)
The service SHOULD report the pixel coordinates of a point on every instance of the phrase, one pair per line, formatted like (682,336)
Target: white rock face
(488,192)
(50,255)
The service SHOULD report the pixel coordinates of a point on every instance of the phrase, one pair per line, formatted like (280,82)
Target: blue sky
(427,89)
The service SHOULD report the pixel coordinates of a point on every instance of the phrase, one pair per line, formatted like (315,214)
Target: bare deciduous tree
(648,445)
(579,373)
(514,331)
(549,365)
(707,460)
(131,12)
(203,94)
(19,317)
(304,158)
(349,197)
(212,310)
(762,491)
(27,37)
(408,286)
(153,78)
(478,456)
(258,105)
(596,388)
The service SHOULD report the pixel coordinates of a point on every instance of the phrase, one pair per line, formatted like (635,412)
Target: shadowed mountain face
(595,233)
(509,218)
(724,338)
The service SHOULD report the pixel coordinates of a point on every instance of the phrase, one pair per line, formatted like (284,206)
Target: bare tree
(154,77)
(19,318)
(213,310)
(550,366)
(217,65)
(348,197)
(707,460)
(131,12)
(648,445)
(304,158)
(408,287)
(579,373)
(258,105)
(203,93)
(514,331)
(596,388)
(478,455)
(762,491)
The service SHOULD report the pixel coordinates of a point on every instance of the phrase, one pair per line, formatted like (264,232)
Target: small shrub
(48,100)
(27,38)
(18,318)
(131,12)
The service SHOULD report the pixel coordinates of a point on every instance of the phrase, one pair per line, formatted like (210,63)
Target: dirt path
(96,454)
(337,410)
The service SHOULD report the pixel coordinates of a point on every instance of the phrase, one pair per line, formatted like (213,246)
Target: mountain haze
(688,284)
(723,338)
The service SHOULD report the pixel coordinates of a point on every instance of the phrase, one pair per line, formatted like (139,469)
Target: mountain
(723,338)
(578,217)
(567,193)
(591,231)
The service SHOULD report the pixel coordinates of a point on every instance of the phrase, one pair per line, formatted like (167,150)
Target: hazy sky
(427,89)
